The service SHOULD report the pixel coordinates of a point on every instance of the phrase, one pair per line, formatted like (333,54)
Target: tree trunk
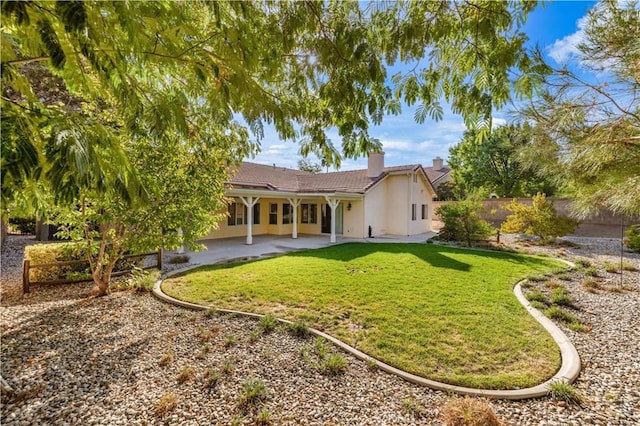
(101,278)
(3,230)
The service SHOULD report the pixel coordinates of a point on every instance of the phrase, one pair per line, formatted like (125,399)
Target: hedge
(61,252)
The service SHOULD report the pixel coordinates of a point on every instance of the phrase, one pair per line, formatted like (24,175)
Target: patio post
(249,202)
(294,205)
(333,203)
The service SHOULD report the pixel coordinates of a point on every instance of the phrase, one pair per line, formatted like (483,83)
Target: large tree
(493,164)
(132,76)
(587,122)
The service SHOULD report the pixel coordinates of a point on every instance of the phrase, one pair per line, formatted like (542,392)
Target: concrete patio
(233,248)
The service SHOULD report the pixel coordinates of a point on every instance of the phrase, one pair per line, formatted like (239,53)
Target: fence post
(160,259)
(25,275)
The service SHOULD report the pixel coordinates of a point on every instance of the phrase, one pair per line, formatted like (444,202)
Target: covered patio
(223,249)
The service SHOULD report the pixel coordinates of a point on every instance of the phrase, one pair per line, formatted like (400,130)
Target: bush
(560,296)
(462,223)
(23,225)
(63,252)
(536,296)
(142,280)
(334,364)
(539,219)
(56,252)
(632,239)
(299,329)
(562,391)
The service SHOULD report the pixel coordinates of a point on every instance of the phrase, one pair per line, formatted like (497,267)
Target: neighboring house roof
(251,175)
(435,176)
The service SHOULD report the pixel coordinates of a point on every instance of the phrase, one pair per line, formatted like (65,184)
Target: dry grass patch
(167,404)
(469,412)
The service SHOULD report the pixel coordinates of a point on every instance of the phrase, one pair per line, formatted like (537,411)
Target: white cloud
(497,122)
(565,50)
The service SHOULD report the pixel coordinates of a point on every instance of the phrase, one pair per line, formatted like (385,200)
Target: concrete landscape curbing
(568,372)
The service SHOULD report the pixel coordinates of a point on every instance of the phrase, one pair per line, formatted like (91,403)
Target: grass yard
(442,313)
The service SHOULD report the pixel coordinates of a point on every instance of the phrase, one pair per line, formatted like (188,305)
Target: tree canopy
(91,90)
(160,68)
(586,133)
(493,164)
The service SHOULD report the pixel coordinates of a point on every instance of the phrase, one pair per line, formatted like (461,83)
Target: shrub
(591,271)
(632,239)
(334,364)
(187,373)
(182,258)
(610,267)
(268,323)
(585,263)
(536,296)
(167,403)
(591,285)
(299,329)
(211,378)
(469,412)
(539,219)
(142,280)
(23,225)
(563,391)
(558,314)
(626,266)
(560,296)
(229,341)
(462,223)
(253,393)
(413,406)
(63,252)
(166,359)
(263,418)
(538,305)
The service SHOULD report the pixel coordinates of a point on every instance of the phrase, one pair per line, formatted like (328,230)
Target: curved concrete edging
(568,372)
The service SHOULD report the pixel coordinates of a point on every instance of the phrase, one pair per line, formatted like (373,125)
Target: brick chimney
(438,163)
(375,164)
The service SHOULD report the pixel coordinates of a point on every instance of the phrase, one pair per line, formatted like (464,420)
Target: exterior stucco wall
(398,205)
(375,210)
(421,194)
(353,220)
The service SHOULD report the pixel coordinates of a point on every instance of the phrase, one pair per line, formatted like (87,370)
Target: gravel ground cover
(130,359)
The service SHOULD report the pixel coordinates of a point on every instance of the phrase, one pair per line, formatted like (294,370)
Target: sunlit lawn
(442,313)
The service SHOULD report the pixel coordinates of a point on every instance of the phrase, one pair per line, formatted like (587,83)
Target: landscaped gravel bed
(117,360)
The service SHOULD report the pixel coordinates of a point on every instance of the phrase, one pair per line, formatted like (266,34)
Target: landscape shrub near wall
(463,223)
(40,254)
(539,219)
(632,239)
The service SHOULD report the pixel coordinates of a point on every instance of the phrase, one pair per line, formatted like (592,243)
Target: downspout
(410,197)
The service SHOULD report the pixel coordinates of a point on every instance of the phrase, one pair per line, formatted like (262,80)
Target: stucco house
(375,201)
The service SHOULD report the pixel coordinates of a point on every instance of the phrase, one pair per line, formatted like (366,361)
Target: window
(236,214)
(413,211)
(425,211)
(415,178)
(273,213)
(309,213)
(256,214)
(286,213)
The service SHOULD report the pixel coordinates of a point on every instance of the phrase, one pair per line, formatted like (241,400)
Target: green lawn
(442,313)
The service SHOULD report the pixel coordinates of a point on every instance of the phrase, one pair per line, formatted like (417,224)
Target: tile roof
(435,175)
(251,175)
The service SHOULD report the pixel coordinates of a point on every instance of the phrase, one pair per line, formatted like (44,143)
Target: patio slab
(222,249)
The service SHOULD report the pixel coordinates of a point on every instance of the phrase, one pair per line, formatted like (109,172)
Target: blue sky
(554,26)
